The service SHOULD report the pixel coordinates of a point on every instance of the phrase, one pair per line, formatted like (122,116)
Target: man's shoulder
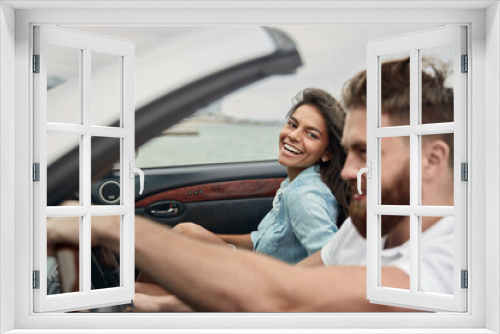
(442,230)
(347,247)
(349,232)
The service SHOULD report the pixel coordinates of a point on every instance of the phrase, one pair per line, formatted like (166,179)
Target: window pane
(63,85)
(395,170)
(105,192)
(57,144)
(105,266)
(105,100)
(395,92)
(63,265)
(437,169)
(393,253)
(437,255)
(437,68)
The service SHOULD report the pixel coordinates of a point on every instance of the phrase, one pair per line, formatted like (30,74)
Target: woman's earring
(323,159)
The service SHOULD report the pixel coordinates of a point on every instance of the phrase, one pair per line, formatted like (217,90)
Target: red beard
(396,194)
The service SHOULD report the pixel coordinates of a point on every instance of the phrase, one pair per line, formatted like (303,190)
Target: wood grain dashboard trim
(216,191)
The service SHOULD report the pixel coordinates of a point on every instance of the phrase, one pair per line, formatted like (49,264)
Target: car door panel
(224,198)
(224,216)
(161,179)
(216,191)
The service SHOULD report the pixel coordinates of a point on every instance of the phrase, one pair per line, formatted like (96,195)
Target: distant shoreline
(190,127)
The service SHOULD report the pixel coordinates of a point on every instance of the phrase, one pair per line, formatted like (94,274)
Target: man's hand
(150,297)
(150,303)
(66,230)
(62,230)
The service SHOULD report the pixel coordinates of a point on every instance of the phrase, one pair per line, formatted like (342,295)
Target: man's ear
(435,154)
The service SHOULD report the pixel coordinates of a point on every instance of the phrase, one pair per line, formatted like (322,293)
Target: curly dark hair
(334,116)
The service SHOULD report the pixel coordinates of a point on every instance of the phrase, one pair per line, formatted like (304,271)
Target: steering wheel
(63,275)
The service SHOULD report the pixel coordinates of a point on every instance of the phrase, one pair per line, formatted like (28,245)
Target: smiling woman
(303,141)
(311,152)
(305,214)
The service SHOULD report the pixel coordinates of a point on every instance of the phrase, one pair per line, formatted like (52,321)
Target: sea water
(211,144)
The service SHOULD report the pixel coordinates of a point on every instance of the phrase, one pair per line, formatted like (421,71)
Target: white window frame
(86,44)
(484,103)
(414,43)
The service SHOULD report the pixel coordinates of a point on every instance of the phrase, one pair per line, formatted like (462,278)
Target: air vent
(109,192)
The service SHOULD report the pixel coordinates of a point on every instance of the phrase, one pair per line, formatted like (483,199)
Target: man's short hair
(437,100)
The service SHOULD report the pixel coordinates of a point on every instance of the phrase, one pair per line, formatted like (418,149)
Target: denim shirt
(301,221)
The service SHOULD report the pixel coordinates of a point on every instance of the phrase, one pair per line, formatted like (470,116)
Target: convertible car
(222,197)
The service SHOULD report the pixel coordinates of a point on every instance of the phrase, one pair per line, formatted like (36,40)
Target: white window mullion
(128,192)
(77,211)
(460,190)
(415,171)
(125,165)
(86,172)
(99,131)
(434,211)
(103,131)
(77,129)
(373,183)
(86,158)
(85,232)
(434,129)
(378,220)
(40,156)
(392,210)
(109,210)
(406,210)
(415,254)
(392,131)
(422,129)
(67,211)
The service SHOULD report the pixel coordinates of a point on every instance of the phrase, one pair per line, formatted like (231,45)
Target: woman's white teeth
(292,149)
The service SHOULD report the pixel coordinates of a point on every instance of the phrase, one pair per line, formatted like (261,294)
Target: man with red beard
(349,247)
(208,277)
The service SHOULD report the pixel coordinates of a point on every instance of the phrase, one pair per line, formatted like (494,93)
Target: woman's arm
(312,261)
(239,240)
(312,215)
(198,232)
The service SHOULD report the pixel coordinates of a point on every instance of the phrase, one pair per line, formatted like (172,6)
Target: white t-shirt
(348,248)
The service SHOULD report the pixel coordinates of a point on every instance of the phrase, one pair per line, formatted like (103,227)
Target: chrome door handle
(170,211)
(166,209)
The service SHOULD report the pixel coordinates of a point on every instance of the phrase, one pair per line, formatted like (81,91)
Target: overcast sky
(331,55)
